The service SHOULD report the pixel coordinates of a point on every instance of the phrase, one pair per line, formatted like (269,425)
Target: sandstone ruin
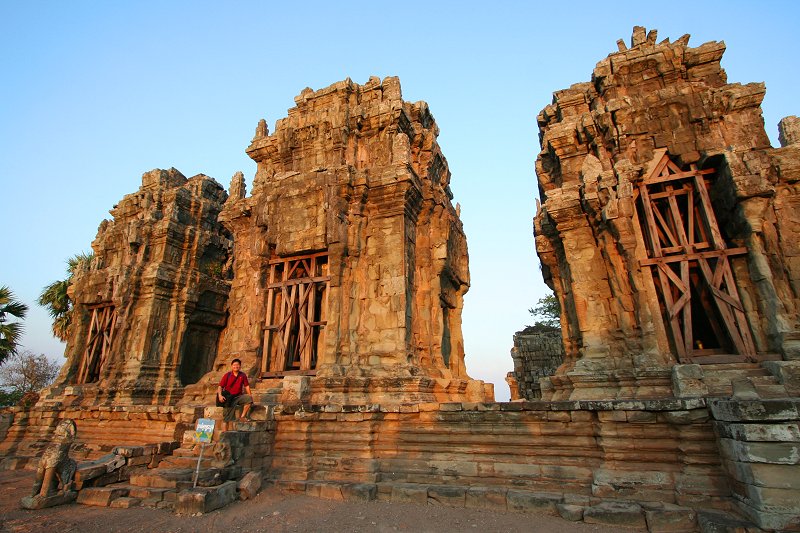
(668,222)
(536,355)
(339,281)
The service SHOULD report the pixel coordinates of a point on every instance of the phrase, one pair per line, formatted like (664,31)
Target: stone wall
(100,429)
(557,457)
(760,446)
(535,356)
(599,140)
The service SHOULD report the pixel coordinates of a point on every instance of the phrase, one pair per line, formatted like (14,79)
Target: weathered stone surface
(409,493)
(55,475)
(782,476)
(444,495)
(671,519)
(687,381)
(330,491)
(101,496)
(162,478)
(205,499)
(570,511)
(249,485)
(382,406)
(535,355)
(615,514)
(756,410)
(639,485)
(125,502)
(359,491)
(486,498)
(40,502)
(128,451)
(789,130)
(531,502)
(761,452)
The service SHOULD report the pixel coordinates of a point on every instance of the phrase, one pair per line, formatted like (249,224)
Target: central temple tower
(350,261)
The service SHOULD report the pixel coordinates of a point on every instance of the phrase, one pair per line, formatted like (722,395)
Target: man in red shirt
(234,382)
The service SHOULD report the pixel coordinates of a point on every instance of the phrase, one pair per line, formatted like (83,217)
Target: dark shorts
(229,414)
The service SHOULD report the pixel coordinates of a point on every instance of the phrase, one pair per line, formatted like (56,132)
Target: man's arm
(219,393)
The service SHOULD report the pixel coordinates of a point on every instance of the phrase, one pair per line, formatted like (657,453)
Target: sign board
(204,430)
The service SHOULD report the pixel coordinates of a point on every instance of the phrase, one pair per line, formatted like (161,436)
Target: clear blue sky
(93,94)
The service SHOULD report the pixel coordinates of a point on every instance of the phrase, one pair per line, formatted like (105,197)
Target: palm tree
(55,298)
(10,332)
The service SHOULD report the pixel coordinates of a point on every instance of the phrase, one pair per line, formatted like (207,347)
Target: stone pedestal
(40,502)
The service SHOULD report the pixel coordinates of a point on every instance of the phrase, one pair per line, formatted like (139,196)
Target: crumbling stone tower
(350,261)
(150,306)
(668,224)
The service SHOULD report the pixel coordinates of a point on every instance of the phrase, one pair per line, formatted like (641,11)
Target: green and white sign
(204,430)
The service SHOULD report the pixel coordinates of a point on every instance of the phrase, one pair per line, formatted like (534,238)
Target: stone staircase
(766,380)
(231,464)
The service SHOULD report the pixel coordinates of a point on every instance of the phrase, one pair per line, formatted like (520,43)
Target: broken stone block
(162,478)
(789,130)
(361,492)
(486,498)
(128,451)
(787,453)
(755,410)
(753,432)
(445,495)
(41,502)
(201,500)
(671,519)
(569,511)
(148,493)
(94,469)
(331,491)
(249,485)
(687,381)
(532,502)
(615,514)
(101,496)
(410,493)
(125,502)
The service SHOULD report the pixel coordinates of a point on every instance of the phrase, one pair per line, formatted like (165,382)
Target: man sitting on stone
(234,382)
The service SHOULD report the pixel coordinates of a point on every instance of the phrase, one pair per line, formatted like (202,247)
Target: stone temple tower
(668,224)
(350,262)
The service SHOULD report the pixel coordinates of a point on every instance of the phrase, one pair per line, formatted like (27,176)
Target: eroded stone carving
(56,472)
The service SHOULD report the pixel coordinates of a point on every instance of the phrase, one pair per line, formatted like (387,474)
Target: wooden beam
(693,256)
(650,221)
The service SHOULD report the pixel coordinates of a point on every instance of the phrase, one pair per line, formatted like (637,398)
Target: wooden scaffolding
(297,301)
(98,344)
(691,266)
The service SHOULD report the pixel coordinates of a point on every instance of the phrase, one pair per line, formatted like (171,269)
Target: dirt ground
(272,510)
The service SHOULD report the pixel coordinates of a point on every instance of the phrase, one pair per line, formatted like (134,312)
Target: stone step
(181,478)
(124,495)
(715,521)
(771,391)
(787,373)
(190,462)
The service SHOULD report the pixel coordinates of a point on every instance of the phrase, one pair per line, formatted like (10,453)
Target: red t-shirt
(234,384)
